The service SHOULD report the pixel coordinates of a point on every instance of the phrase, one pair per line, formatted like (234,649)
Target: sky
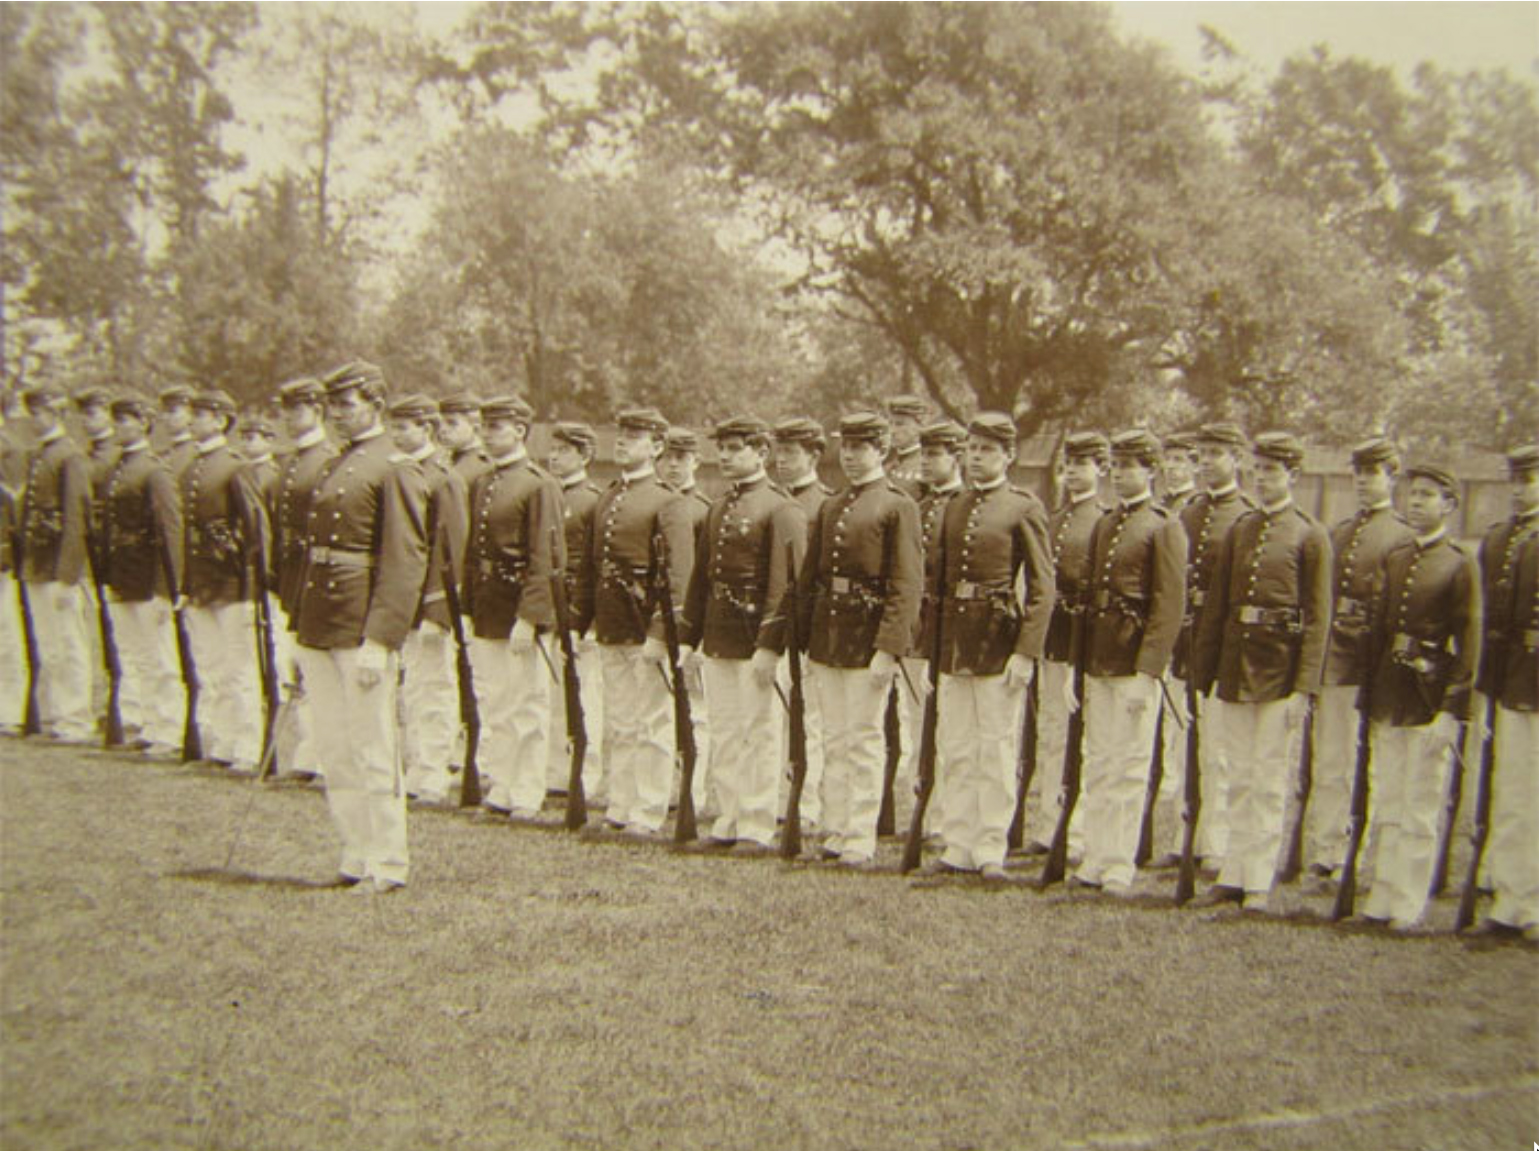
(1455,36)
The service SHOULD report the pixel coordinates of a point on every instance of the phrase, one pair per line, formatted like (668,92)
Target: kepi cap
(677,439)
(1437,473)
(801,430)
(748,427)
(995,426)
(863,427)
(140,407)
(1374,450)
(460,404)
(943,434)
(304,390)
(213,400)
(1138,442)
(175,394)
(642,420)
(507,408)
(92,396)
(1223,433)
(579,435)
(1524,458)
(1086,446)
(413,406)
(1284,447)
(907,405)
(353,374)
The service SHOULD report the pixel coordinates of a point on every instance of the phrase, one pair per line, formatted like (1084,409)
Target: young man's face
(905,432)
(502,436)
(1131,477)
(677,468)
(1274,480)
(96,420)
(1427,505)
(1082,475)
(937,465)
(859,458)
(205,423)
(409,435)
(1179,468)
(1217,465)
(635,447)
(1525,492)
(350,413)
(1372,484)
(565,459)
(793,461)
(458,432)
(987,459)
(739,458)
(175,417)
(255,445)
(129,428)
(300,419)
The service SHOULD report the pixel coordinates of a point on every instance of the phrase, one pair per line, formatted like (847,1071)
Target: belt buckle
(965,589)
(839,585)
(1402,643)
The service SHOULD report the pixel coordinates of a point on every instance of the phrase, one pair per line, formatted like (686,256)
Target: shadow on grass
(231,878)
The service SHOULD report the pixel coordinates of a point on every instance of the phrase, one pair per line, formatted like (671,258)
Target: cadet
(141,533)
(1137,597)
(256,448)
(13,652)
(1425,645)
(365,567)
(178,448)
(1509,560)
(1259,654)
(1206,519)
(571,451)
(906,416)
(460,433)
(634,517)
(93,404)
(55,521)
(799,445)
(941,446)
(430,691)
(735,615)
(1358,547)
(676,468)
(1086,460)
(1178,470)
(995,536)
(859,594)
(224,521)
(302,403)
(515,510)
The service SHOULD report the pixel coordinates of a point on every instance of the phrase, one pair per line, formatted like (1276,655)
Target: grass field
(533,990)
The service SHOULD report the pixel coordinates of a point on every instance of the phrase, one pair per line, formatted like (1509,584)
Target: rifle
(192,739)
(1145,847)
(110,660)
(683,724)
(1293,860)
(914,847)
(1191,807)
(1074,747)
(470,715)
(1026,767)
(576,727)
(1450,815)
(31,722)
(267,664)
(1357,817)
(791,836)
(886,817)
(1471,889)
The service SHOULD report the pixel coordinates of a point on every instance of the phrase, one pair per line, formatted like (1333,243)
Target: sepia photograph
(820,575)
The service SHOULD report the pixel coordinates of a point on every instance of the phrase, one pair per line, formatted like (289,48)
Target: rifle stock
(1470,892)
(1293,860)
(1191,807)
(791,834)
(112,664)
(1145,848)
(192,738)
(571,685)
(470,715)
(684,829)
(1357,817)
(1450,815)
(913,847)
(1026,765)
(267,662)
(31,720)
(892,735)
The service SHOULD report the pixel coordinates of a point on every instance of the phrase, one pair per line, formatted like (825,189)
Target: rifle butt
(1145,848)
(886,816)
(684,828)
(113,735)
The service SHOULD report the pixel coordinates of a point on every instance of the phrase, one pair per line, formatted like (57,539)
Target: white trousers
(558,769)
(745,751)
(1512,848)
(230,711)
(60,614)
(358,749)
(1212,779)
(152,698)
(13,657)
(1120,718)
(811,810)
(1045,799)
(1335,761)
(703,786)
(513,696)
(1406,798)
(431,703)
(638,737)
(296,745)
(977,738)
(1262,742)
(854,704)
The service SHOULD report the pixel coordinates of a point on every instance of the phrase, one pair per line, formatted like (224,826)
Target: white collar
(519,453)
(310,438)
(746,481)
(49,437)
(635,474)
(210,444)
(988,487)
(1228,489)
(1076,500)
(1281,505)
(1427,541)
(870,477)
(365,436)
(136,446)
(574,479)
(1136,502)
(423,453)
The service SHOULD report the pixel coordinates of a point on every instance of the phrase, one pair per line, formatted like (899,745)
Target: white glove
(884,665)
(762,666)
(1070,700)
(1018,672)
(1148,691)
(690,659)
(372,660)
(1298,705)
(654,651)
(61,597)
(522,639)
(1447,728)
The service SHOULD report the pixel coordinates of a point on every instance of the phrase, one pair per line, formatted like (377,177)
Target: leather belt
(1349,608)
(850,585)
(342,557)
(1531,639)
(1268,616)
(967,589)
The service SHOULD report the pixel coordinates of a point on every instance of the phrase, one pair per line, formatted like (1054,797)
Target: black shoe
(1219,894)
(1165,862)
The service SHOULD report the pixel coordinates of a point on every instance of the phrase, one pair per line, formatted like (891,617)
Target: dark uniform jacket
(810,495)
(903,470)
(448,513)
(55,512)
(224,525)
(736,598)
(101,455)
(516,546)
(1069,538)
(1425,633)
(298,472)
(1176,502)
(367,554)
(1359,544)
(615,594)
(578,499)
(992,539)
(1206,519)
(179,453)
(141,527)
(862,580)
(1509,564)
(470,463)
(1262,632)
(1137,593)
(696,506)
(932,518)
